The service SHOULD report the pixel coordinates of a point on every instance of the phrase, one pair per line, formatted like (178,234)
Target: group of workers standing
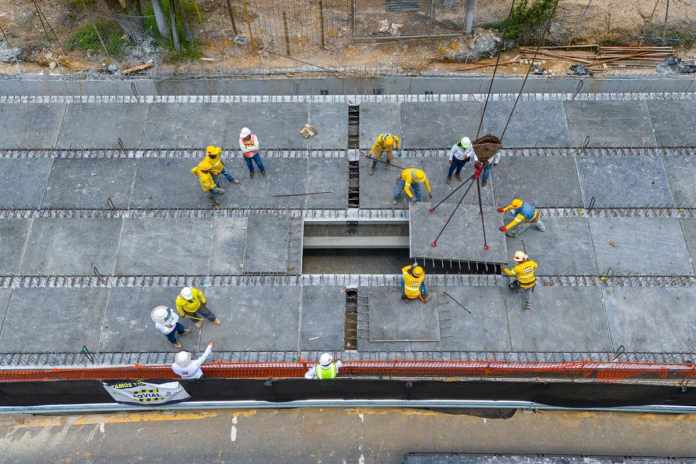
(413,183)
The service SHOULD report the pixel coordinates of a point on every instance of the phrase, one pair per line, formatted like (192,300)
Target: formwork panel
(13,235)
(673,122)
(681,172)
(463,238)
(72,246)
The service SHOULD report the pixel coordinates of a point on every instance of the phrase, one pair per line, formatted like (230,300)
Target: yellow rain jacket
(212,165)
(185,307)
(524,272)
(205,179)
(412,284)
(380,146)
(408,175)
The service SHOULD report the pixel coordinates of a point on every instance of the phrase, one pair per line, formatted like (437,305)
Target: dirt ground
(261,21)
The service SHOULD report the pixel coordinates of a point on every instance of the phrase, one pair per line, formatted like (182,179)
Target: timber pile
(597,57)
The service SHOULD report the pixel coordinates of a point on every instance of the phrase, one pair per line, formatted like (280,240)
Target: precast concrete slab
(53,320)
(652,319)
(167,183)
(323,317)
(548,181)
(71,246)
(392,319)
(30,126)
(166,246)
(689,230)
(435,124)
(624,181)
(565,248)
(472,318)
(254,318)
(127,324)
(326,176)
(377,118)
(5,295)
(610,123)
(92,125)
(194,125)
(13,236)
(533,123)
(267,244)
(561,319)
(639,246)
(23,182)
(229,245)
(377,190)
(681,172)
(463,238)
(673,122)
(89,183)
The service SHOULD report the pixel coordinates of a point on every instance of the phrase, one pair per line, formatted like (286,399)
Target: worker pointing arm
(523,215)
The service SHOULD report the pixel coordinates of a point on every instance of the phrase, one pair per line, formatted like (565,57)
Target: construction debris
(674,65)
(579,70)
(597,58)
(136,69)
(308,131)
(10,55)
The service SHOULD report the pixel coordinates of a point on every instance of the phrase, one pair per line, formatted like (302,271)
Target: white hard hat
(186,293)
(159,314)
(182,358)
(325,359)
(246,132)
(465,142)
(520,256)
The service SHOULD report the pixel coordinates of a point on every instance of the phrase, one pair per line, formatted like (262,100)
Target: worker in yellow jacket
(521,215)
(413,283)
(412,182)
(384,143)
(192,303)
(523,276)
(210,169)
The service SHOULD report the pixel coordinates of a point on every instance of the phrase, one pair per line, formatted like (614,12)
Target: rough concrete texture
(323,316)
(463,237)
(610,124)
(392,319)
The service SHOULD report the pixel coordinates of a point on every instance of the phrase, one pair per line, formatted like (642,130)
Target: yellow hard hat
(389,140)
(419,175)
(418,271)
(516,202)
(213,150)
(520,256)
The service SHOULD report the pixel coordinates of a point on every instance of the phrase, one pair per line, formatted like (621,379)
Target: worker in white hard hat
(523,276)
(192,303)
(412,182)
(460,154)
(188,368)
(249,145)
(167,321)
(327,368)
(384,143)
(413,283)
(520,216)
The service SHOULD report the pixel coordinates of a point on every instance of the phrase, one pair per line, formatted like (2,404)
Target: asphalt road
(332,436)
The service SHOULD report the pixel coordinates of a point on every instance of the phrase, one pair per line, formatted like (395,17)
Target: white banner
(146,393)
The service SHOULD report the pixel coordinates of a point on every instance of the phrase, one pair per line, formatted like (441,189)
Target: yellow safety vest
(326,373)
(185,307)
(525,273)
(412,285)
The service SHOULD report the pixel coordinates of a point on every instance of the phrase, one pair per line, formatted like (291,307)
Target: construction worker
(413,283)
(523,276)
(167,321)
(207,183)
(327,369)
(192,303)
(460,154)
(188,368)
(249,144)
(384,143)
(521,215)
(411,182)
(212,163)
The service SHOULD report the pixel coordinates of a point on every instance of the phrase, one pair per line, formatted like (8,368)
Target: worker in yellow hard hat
(523,276)
(412,182)
(209,170)
(413,283)
(384,143)
(520,215)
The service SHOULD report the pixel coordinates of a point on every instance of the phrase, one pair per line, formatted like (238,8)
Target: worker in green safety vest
(327,368)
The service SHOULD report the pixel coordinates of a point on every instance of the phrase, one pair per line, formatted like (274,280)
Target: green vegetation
(676,36)
(86,38)
(527,21)
(190,50)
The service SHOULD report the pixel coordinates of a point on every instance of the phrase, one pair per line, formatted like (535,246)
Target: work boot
(449,179)
(178,345)
(251,174)
(234,181)
(372,168)
(458,176)
(263,173)
(199,324)
(217,322)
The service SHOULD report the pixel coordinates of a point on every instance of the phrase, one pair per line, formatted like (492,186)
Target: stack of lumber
(598,57)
